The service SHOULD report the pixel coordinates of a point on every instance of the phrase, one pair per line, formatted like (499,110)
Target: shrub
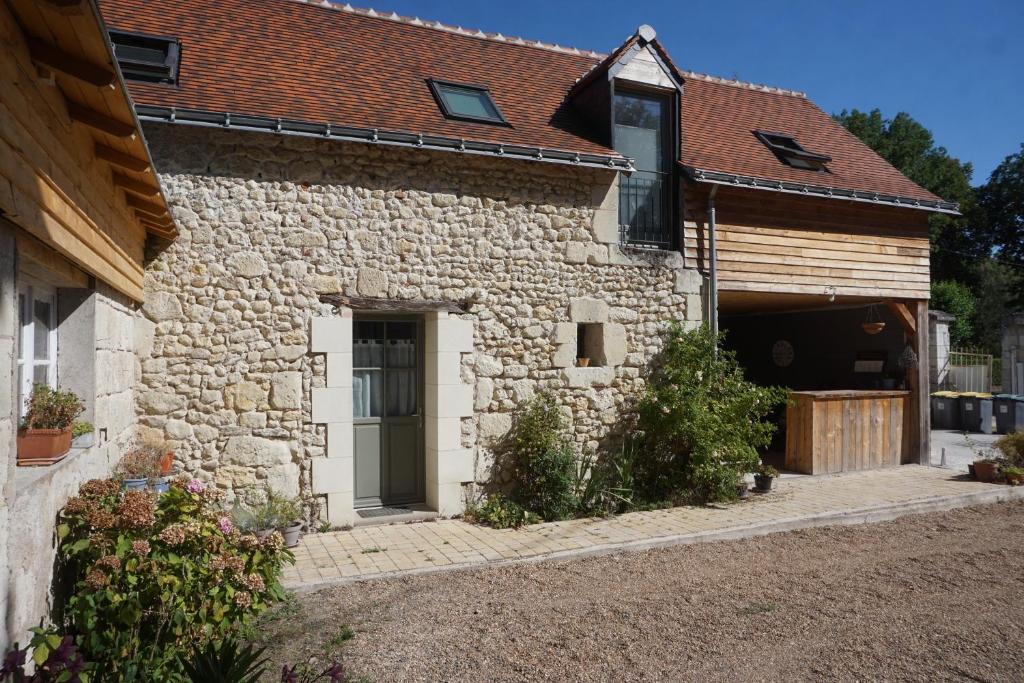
(142,461)
(1012,448)
(500,512)
(50,408)
(156,578)
(701,421)
(542,460)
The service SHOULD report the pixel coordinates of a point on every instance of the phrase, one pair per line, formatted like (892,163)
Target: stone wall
(33,496)
(269,223)
(8,418)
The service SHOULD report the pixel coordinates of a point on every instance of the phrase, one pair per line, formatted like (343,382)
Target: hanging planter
(873,324)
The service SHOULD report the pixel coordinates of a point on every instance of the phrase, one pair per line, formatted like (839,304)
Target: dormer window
(153,59)
(791,152)
(466,102)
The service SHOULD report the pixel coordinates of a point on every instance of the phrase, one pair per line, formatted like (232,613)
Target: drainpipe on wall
(713,293)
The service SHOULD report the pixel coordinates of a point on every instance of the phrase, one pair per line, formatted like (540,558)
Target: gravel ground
(923,598)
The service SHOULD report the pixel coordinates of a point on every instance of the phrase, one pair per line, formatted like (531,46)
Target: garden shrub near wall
(700,420)
(155,577)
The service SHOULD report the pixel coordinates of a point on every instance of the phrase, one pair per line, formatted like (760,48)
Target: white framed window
(37,341)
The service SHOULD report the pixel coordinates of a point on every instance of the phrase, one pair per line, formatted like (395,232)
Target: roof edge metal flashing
(750,182)
(266,124)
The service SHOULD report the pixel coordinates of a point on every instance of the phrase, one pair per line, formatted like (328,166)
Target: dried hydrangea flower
(137,510)
(243,599)
(101,519)
(96,579)
(140,547)
(194,486)
(110,562)
(98,488)
(225,525)
(175,534)
(254,582)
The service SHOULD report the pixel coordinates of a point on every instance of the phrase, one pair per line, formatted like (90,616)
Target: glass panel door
(642,133)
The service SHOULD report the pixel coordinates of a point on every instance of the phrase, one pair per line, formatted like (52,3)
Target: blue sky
(957,66)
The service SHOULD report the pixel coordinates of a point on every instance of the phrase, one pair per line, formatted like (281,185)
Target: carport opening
(812,344)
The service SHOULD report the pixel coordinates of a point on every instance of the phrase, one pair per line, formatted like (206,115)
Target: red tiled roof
(298,60)
(718,124)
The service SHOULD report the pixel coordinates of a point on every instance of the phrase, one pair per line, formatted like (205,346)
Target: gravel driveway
(924,598)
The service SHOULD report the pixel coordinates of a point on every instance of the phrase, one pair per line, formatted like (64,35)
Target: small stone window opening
(589,345)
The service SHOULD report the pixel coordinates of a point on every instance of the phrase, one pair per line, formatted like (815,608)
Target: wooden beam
(64,4)
(69,64)
(403,305)
(152,208)
(135,185)
(919,384)
(100,122)
(903,315)
(111,155)
(160,232)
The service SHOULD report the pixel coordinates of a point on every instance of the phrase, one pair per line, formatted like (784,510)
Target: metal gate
(968,371)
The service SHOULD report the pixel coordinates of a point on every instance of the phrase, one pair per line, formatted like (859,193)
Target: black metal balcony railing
(643,209)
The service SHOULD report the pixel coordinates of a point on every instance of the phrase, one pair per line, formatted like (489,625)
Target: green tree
(1001,203)
(956,299)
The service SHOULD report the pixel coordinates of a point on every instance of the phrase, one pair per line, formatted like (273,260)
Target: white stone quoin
(448,400)
(334,474)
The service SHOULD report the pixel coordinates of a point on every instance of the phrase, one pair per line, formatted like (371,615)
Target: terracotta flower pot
(43,446)
(985,470)
(873,328)
(582,362)
(166,463)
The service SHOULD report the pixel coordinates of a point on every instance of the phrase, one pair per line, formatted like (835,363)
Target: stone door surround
(447,400)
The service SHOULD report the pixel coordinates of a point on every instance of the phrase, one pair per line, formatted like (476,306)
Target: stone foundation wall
(269,223)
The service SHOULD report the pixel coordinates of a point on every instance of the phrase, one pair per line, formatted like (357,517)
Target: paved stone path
(798,502)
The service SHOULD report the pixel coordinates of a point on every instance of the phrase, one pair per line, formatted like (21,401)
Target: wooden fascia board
(53,57)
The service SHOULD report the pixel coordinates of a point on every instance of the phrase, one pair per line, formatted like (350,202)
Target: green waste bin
(1009,412)
(976,413)
(946,410)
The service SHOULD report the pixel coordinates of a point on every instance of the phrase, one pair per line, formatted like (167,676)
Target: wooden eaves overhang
(75,171)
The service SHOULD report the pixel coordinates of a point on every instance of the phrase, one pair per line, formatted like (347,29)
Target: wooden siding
(51,183)
(769,242)
(830,432)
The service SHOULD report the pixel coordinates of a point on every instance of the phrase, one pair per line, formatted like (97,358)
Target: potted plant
(742,491)
(763,479)
(288,517)
(83,434)
(1014,475)
(140,467)
(986,469)
(582,362)
(45,434)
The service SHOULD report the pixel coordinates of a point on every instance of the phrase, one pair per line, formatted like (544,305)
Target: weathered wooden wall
(771,242)
(51,184)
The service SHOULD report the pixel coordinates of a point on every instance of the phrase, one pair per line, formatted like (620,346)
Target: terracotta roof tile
(330,64)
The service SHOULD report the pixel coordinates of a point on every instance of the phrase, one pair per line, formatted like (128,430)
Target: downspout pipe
(713,259)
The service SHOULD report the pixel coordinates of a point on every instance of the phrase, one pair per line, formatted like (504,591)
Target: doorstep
(373,552)
(393,515)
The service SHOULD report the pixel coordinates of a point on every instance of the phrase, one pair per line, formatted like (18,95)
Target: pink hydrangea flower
(225,525)
(194,486)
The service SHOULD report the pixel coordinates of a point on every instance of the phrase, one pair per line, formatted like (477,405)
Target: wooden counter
(845,430)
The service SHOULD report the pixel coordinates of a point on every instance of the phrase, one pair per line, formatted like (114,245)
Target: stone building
(384,251)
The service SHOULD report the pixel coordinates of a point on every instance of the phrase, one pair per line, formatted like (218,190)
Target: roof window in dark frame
(142,57)
(791,152)
(466,102)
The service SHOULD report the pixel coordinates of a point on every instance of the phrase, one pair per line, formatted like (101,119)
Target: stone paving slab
(798,502)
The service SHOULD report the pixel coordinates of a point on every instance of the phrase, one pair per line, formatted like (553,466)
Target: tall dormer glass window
(642,131)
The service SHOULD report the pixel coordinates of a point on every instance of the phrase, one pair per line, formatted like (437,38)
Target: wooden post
(921,420)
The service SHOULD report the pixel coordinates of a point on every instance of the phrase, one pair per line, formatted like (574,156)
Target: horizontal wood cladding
(51,184)
(771,242)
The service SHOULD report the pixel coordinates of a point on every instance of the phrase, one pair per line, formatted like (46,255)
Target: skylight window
(467,102)
(146,58)
(791,152)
